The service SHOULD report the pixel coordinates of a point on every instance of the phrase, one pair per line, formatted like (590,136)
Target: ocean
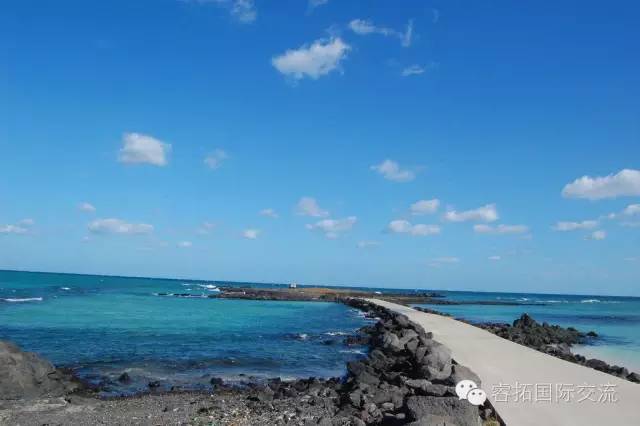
(102,326)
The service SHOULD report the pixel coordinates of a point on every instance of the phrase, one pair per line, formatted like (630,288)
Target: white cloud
(214,160)
(22,227)
(314,61)
(418,230)
(251,234)
(243,10)
(632,210)
(407,37)
(185,244)
(495,258)
(598,235)
(332,228)
(572,226)
(87,207)
(368,244)
(624,183)
(413,70)
(139,148)
(308,206)
(269,213)
(447,260)
(206,228)
(500,229)
(13,229)
(317,3)
(366,27)
(391,170)
(118,226)
(425,207)
(487,213)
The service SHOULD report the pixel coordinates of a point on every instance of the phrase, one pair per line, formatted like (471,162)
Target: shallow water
(615,319)
(103,326)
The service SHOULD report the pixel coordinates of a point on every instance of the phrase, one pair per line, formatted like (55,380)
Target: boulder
(392,342)
(460,372)
(424,408)
(25,375)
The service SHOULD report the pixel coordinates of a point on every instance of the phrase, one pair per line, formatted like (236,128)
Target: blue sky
(288,141)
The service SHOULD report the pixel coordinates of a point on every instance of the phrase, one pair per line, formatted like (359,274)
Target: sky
(455,145)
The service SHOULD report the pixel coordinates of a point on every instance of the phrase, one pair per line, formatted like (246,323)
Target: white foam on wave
(65,288)
(209,287)
(590,301)
(337,333)
(353,351)
(26,299)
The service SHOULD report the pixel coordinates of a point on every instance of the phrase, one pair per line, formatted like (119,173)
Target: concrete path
(528,387)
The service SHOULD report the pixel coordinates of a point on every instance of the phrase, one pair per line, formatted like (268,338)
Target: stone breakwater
(551,339)
(407,378)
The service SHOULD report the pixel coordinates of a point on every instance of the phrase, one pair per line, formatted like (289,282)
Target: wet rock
(124,378)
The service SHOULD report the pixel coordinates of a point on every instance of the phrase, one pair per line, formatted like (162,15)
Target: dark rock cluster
(407,378)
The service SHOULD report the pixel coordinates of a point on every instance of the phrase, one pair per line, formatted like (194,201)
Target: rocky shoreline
(407,378)
(550,339)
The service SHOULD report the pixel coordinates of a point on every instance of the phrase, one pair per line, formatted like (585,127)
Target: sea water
(103,326)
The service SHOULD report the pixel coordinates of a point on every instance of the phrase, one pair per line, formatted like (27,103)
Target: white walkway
(528,387)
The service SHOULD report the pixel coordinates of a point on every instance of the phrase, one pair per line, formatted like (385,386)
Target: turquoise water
(103,326)
(615,319)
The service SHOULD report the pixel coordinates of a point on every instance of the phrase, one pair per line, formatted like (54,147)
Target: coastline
(407,377)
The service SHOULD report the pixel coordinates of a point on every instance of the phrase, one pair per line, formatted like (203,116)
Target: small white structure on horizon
(293,285)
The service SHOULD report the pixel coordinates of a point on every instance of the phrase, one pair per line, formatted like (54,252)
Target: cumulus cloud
(118,226)
(332,228)
(185,244)
(631,210)
(598,235)
(87,207)
(215,159)
(368,244)
(413,70)
(487,213)
(495,258)
(308,206)
(624,183)
(22,227)
(243,10)
(13,229)
(251,234)
(269,213)
(138,148)
(500,229)
(391,170)
(321,58)
(425,207)
(573,226)
(417,230)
